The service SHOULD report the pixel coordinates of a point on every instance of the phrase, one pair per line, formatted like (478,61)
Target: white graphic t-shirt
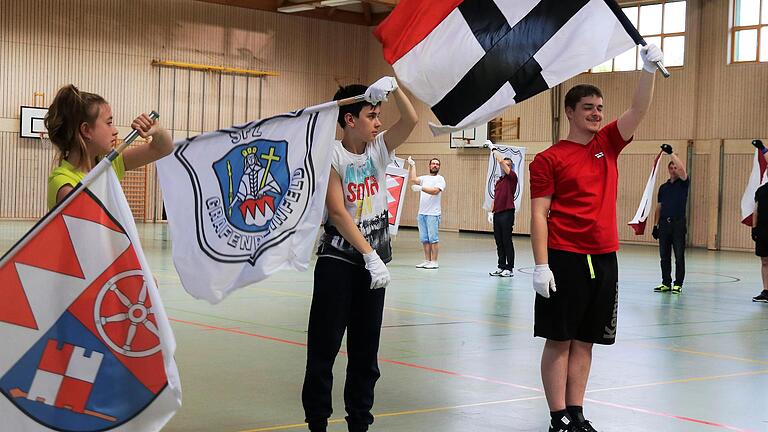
(430,204)
(364,184)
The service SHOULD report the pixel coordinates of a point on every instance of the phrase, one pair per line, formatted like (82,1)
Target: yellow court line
(399,413)
(679,381)
(438,409)
(703,353)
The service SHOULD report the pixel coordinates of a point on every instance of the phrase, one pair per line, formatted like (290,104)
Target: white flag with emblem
(86,342)
(247,201)
(517,154)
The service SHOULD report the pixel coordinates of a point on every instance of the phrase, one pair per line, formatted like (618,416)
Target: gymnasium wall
(708,110)
(107,46)
(711,107)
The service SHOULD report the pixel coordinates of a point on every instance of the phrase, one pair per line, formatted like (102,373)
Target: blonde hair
(69,109)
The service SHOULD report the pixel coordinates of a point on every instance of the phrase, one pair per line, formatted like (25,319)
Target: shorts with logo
(586,303)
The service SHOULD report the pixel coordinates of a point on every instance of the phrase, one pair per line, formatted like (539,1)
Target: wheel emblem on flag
(91,358)
(141,338)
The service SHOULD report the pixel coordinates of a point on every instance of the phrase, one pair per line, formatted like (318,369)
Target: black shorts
(761,245)
(586,303)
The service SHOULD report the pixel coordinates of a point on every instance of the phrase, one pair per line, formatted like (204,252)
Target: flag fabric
(86,342)
(517,154)
(756,179)
(470,60)
(397,185)
(247,201)
(644,208)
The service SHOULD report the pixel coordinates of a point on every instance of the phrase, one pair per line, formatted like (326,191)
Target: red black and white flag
(469,60)
(756,179)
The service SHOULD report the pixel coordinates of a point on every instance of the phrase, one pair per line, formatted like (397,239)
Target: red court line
(661,414)
(473,377)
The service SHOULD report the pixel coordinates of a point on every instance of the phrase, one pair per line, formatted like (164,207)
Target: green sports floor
(457,351)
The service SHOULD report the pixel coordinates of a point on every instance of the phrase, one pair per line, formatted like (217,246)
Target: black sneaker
(584,426)
(762,297)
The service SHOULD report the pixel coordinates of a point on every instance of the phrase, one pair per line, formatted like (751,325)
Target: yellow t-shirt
(66,174)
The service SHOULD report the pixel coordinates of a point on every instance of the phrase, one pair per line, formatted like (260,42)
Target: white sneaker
(423,265)
(506,273)
(496,272)
(431,265)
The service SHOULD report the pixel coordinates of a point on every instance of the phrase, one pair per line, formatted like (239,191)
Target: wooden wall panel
(27,163)
(699,200)
(736,169)
(733,97)
(98,46)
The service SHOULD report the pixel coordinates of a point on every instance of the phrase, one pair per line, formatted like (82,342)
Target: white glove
(377,92)
(379,272)
(543,280)
(416,188)
(490,217)
(410,161)
(650,55)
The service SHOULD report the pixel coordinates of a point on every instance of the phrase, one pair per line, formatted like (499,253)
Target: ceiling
(360,12)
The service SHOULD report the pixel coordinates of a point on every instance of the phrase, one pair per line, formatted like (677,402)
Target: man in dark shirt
(503,215)
(670,227)
(760,230)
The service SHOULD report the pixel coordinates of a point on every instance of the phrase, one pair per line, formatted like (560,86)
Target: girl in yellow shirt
(80,126)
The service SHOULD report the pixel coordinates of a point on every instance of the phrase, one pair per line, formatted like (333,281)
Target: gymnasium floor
(457,351)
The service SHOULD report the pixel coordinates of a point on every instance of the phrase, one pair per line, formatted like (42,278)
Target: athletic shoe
(496,272)
(423,265)
(431,265)
(677,289)
(584,426)
(506,273)
(662,288)
(762,297)
(568,428)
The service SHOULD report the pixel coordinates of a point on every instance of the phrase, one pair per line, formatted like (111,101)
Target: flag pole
(87,180)
(331,104)
(632,31)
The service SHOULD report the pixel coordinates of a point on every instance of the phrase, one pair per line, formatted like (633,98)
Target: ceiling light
(332,3)
(296,8)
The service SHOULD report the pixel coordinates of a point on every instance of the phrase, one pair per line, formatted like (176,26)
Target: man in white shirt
(431,188)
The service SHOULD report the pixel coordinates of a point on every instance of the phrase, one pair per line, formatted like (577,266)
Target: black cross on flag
(470,60)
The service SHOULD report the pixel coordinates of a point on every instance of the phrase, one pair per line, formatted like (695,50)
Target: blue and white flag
(86,344)
(247,201)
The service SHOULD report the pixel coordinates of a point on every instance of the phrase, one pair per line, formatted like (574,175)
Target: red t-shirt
(504,192)
(582,180)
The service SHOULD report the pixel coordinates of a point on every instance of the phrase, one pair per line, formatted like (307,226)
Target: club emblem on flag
(253,179)
(88,355)
(517,154)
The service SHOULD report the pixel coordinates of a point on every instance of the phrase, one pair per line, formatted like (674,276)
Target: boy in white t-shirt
(350,274)
(431,187)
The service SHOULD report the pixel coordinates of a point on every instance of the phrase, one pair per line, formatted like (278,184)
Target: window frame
(733,29)
(662,36)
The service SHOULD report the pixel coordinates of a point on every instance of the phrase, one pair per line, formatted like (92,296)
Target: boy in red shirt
(575,239)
